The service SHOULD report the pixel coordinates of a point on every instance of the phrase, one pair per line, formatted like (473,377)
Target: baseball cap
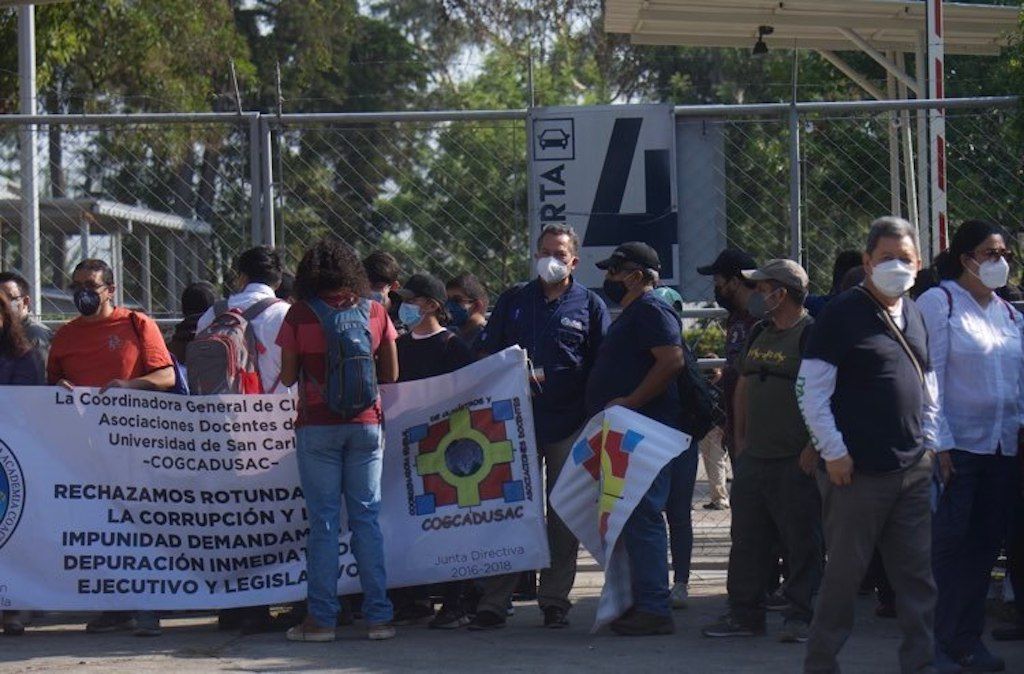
(422,285)
(670,297)
(786,272)
(730,262)
(637,252)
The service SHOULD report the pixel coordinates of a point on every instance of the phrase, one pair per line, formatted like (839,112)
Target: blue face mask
(377,297)
(409,314)
(459,313)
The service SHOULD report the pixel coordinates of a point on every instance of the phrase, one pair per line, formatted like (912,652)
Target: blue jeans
(679,512)
(647,546)
(334,461)
(968,529)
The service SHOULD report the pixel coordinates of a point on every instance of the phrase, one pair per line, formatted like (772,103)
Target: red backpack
(224,358)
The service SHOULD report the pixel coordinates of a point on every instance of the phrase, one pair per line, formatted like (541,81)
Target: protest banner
(613,463)
(134,500)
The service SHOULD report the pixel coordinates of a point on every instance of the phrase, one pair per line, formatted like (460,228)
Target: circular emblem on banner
(12,493)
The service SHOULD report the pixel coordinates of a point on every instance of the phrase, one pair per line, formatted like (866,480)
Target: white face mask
(552,270)
(993,274)
(893,278)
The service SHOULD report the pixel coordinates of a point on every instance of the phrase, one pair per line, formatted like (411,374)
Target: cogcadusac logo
(466,459)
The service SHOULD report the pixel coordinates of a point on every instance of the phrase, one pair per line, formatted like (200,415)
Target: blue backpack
(351,381)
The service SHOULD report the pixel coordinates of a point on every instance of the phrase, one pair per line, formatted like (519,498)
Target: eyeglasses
(993,254)
(14,298)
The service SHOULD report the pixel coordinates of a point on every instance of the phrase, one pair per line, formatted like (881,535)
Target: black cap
(637,252)
(730,262)
(422,285)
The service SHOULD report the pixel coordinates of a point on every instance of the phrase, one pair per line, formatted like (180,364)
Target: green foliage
(451,197)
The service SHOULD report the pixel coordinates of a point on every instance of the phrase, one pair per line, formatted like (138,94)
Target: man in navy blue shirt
(637,368)
(865,388)
(561,324)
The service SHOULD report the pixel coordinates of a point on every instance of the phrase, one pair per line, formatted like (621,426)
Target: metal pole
(907,142)
(118,262)
(30,265)
(147,274)
(267,182)
(255,182)
(795,224)
(895,203)
(171,273)
(923,207)
(937,125)
(84,228)
(795,198)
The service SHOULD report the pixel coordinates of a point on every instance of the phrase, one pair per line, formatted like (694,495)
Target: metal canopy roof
(809,24)
(66,215)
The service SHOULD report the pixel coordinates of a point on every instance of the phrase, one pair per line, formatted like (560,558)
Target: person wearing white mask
(560,324)
(974,344)
(864,390)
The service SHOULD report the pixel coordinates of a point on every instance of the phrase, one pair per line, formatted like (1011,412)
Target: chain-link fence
(172,199)
(165,203)
(443,197)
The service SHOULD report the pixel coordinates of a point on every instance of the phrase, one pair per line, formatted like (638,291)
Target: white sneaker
(679,595)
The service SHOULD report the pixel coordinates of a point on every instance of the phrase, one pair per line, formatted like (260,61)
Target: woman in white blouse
(974,344)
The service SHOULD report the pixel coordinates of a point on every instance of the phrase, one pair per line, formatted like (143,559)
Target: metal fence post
(795,221)
(30,265)
(267,185)
(255,181)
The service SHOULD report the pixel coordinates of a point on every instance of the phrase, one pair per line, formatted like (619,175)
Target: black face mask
(724,300)
(87,301)
(614,290)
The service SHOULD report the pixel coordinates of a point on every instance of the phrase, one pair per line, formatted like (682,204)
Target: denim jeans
(679,512)
(335,461)
(647,546)
(968,530)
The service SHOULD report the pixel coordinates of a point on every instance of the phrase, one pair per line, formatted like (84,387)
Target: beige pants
(716,465)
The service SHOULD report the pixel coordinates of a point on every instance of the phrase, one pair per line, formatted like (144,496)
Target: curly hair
(330,265)
(13,341)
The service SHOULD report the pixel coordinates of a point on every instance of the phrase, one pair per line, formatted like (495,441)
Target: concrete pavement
(194,645)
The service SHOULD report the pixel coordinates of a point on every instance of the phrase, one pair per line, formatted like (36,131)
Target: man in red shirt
(109,347)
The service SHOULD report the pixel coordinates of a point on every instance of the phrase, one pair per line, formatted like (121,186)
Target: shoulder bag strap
(896,332)
(949,298)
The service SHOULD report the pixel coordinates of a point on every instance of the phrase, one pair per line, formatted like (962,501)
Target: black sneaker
(728,626)
(642,624)
(14,628)
(412,614)
(555,617)
(449,618)
(485,620)
(980,659)
(776,601)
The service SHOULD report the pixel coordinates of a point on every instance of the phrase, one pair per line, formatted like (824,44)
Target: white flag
(612,465)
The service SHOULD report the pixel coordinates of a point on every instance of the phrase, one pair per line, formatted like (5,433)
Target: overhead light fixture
(760,48)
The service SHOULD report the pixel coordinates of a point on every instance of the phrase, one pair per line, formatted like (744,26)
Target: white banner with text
(133,500)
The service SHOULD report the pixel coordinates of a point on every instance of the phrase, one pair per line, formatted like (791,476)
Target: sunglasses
(993,254)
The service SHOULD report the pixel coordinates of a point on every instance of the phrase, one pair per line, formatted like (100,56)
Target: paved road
(194,645)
